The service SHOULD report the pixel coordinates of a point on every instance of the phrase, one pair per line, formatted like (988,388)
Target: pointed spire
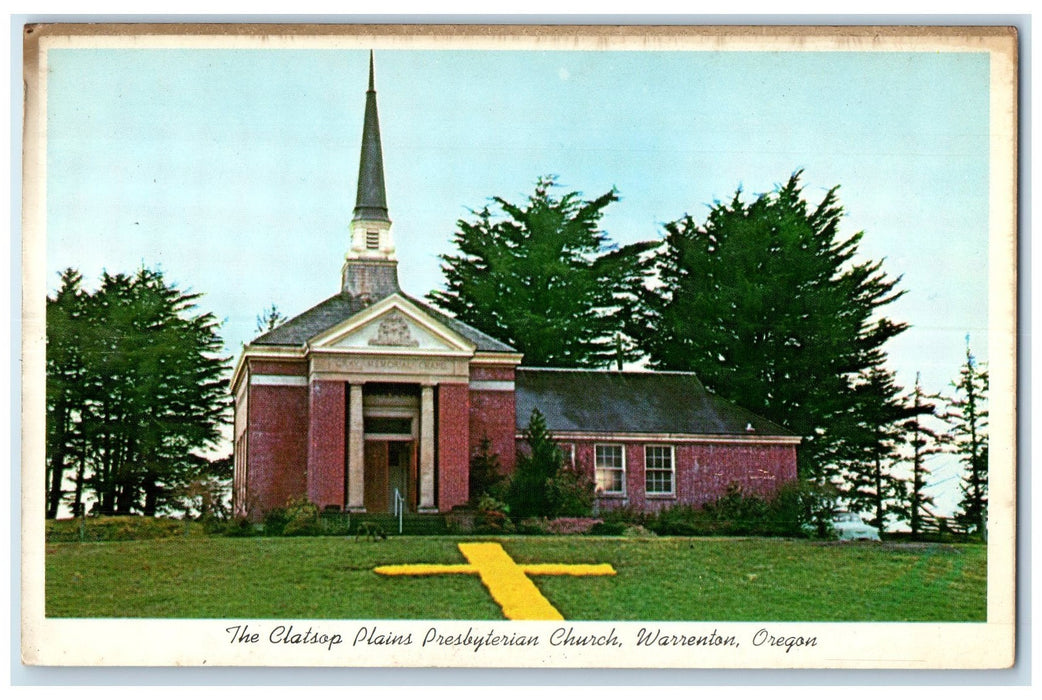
(370,269)
(371,202)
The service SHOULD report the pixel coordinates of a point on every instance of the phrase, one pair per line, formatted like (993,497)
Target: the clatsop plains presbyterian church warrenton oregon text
(372,394)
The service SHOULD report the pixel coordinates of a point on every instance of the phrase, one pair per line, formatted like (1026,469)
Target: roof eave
(273,352)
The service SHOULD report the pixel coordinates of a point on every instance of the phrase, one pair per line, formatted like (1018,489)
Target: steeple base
(370,278)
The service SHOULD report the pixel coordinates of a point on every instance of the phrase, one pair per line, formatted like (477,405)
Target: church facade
(372,397)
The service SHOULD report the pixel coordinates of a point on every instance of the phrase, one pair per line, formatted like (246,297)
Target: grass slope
(658,579)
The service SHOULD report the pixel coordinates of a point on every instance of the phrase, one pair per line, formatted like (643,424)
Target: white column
(427,448)
(355,451)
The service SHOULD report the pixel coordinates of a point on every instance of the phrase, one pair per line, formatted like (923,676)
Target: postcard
(519,346)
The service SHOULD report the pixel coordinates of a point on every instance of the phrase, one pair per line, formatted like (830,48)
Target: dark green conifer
(544,278)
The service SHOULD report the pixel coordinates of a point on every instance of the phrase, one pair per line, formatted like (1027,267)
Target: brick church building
(373,394)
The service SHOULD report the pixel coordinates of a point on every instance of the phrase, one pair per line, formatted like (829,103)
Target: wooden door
(376,477)
(399,468)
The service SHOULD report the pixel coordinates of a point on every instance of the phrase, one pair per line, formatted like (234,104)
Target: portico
(391,375)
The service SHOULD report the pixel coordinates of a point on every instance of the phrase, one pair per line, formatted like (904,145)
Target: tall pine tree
(767,302)
(544,278)
(967,417)
(924,442)
(66,377)
(875,430)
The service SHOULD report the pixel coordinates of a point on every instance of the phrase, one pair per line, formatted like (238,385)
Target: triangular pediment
(393,325)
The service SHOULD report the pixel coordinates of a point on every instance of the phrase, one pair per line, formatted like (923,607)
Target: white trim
(387,405)
(672,471)
(264,352)
(497,358)
(377,350)
(587,436)
(622,449)
(569,454)
(277,380)
(491,385)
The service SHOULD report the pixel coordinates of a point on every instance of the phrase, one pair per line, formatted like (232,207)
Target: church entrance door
(399,472)
(389,468)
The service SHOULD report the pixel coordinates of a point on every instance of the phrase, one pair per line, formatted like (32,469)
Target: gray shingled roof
(631,402)
(340,307)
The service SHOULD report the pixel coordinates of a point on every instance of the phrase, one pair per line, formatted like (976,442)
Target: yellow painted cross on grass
(504,578)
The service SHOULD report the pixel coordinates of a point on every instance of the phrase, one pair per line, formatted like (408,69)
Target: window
(658,469)
(568,453)
(372,239)
(610,468)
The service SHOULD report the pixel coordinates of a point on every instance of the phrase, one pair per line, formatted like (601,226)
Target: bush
(815,506)
(275,522)
(298,517)
(239,527)
(637,531)
(627,515)
(736,513)
(533,526)
(492,516)
(558,526)
(570,493)
(572,526)
(302,519)
(610,529)
(336,522)
(118,528)
(687,521)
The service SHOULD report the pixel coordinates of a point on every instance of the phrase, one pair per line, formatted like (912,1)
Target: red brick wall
(491,373)
(291,367)
(705,471)
(278,449)
(326,435)
(701,471)
(492,415)
(453,443)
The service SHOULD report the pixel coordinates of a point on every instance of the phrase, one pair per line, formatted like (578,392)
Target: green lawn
(658,579)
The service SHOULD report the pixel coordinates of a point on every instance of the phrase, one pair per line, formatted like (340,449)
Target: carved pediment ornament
(394,332)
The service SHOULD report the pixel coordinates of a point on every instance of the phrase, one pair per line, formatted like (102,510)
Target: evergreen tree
(542,486)
(766,302)
(875,430)
(528,495)
(271,319)
(485,472)
(968,420)
(544,278)
(925,443)
(150,390)
(65,382)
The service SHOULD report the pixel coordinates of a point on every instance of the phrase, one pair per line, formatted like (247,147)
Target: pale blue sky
(234,170)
